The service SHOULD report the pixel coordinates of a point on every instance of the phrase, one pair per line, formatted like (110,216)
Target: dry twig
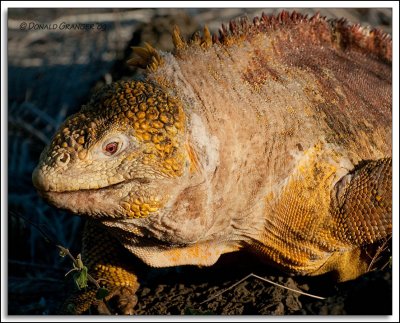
(264,279)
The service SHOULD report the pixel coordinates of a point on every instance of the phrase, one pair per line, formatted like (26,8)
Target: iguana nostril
(63,159)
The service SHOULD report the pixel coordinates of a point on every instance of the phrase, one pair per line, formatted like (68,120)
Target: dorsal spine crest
(146,57)
(343,34)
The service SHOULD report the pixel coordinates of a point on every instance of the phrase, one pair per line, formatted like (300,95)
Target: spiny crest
(339,32)
(146,57)
(204,41)
(374,41)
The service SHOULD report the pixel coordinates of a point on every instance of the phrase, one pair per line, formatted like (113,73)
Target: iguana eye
(111,148)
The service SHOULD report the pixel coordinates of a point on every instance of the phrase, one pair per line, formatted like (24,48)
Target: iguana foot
(105,265)
(79,302)
(120,300)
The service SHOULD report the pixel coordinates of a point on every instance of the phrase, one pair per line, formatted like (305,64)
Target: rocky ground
(51,73)
(186,291)
(190,290)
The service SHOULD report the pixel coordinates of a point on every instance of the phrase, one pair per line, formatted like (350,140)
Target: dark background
(50,74)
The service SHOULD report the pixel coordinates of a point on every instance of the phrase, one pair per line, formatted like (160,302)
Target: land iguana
(273,136)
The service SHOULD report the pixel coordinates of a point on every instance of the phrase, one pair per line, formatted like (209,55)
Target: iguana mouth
(111,186)
(86,201)
(102,202)
(43,185)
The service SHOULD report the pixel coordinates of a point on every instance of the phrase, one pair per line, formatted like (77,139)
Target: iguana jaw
(47,184)
(102,202)
(83,202)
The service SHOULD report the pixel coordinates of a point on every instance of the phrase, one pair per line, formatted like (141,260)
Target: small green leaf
(101,293)
(80,278)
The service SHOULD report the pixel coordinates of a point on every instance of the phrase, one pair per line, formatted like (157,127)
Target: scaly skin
(276,136)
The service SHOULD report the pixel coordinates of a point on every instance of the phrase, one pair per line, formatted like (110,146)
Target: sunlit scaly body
(274,137)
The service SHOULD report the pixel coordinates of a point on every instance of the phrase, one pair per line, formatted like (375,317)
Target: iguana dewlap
(274,136)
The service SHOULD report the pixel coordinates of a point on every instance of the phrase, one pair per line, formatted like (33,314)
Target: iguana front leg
(104,255)
(315,229)
(361,207)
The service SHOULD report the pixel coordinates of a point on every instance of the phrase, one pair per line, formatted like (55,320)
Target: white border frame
(199,4)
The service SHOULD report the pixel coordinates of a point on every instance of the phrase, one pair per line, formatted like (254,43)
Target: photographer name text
(62,26)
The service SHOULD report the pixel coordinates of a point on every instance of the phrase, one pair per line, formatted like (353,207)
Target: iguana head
(108,159)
